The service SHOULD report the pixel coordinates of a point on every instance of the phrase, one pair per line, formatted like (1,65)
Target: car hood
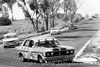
(51,49)
(67,47)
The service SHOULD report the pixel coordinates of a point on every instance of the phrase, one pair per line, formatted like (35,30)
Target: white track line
(83,48)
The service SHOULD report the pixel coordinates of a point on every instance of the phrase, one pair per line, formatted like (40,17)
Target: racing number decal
(26,54)
(31,55)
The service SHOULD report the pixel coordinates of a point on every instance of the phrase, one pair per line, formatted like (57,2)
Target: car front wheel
(40,60)
(5,46)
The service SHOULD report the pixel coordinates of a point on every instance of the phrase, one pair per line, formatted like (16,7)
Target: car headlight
(71,51)
(52,53)
(67,52)
(48,54)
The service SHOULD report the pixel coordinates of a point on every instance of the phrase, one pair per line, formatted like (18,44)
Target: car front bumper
(60,58)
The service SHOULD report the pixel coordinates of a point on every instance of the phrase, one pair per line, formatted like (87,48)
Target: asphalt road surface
(76,38)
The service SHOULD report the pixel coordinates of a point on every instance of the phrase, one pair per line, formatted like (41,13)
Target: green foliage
(69,5)
(66,18)
(4,21)
(45,5)
(70,8)
(60,16)
(32,6)
(45,8)
(8,1)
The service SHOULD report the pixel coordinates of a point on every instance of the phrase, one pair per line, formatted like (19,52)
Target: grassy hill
(21,26)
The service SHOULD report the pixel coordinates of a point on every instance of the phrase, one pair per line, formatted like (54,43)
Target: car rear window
(47,43)
(10,36)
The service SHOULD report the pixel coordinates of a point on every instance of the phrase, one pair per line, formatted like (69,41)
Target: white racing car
(55,31)
(44,49)
(10,40)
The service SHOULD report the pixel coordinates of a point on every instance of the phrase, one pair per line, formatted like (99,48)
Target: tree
(49,8)
(9,3)
(44,5)
(54,7)
(45,8)
(70,7)
(24,7)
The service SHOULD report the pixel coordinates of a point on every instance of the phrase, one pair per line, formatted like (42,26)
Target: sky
(89,7)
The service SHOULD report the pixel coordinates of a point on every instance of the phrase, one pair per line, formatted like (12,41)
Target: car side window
(27,42)
(31,43)
(36,43)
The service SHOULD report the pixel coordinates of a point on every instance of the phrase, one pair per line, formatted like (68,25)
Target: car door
(26,49)
(31,50)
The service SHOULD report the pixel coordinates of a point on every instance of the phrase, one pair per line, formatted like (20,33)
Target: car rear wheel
(22,58)
(5,47)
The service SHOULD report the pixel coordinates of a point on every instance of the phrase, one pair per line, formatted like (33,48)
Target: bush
(66,18)
(4,21)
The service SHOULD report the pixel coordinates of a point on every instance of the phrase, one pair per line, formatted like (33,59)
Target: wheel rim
(40,60)
(21,58)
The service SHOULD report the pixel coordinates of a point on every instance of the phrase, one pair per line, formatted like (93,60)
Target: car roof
(36,39)
(9,39)
(9,34)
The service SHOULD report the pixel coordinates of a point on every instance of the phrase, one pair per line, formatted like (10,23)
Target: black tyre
(69,28)
(5,47)
(22,58)
(40,60)
(59,32)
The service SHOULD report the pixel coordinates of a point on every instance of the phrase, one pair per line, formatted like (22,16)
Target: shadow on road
(86,30)
(77,36)
(78,30)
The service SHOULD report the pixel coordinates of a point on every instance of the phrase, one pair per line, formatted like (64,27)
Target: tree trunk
(46,19)
(30,16)
(36,22)
(53,22)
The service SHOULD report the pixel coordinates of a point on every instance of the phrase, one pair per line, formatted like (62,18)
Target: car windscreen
(14,36)
(55,29)
(47,43)
(12,42)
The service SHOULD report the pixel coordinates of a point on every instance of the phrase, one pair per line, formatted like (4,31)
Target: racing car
(10,40)
(44,50)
